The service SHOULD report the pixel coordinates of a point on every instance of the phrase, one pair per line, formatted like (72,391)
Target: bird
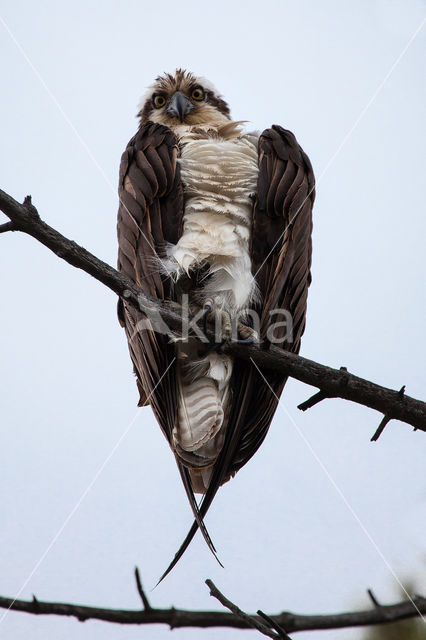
(220,219)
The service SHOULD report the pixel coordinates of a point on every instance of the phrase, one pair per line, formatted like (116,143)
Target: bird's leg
(246,334)
(222,321)
(226,329)
(207,310)
(225,325)
(223,328)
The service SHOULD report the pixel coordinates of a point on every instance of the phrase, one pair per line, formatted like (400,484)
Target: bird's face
(182,98)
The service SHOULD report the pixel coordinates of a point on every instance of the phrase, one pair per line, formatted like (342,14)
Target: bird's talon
(246,335)
(207,309)
(208,306)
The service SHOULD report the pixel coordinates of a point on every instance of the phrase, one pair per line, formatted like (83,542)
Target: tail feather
(198,524)
(202,398)
(220,469)
(199,435)
(200,413)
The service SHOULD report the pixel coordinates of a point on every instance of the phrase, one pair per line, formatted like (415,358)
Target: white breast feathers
(219,177)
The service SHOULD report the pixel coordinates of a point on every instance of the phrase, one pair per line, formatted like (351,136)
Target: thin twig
(380,428)
(144,597)
(274,624)
(250,620)
(312,401)
(7,226)
(373,598)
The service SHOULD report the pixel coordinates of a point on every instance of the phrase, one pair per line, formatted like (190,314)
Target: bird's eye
(197,94)
(159,101)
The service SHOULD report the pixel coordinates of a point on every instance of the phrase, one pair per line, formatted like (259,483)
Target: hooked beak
(180,106)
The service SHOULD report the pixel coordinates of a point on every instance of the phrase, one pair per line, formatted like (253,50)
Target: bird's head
(182,98)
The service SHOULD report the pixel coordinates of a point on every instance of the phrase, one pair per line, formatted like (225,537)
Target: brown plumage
(151,219)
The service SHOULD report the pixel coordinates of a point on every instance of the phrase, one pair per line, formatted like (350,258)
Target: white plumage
(219,168)
(219,176)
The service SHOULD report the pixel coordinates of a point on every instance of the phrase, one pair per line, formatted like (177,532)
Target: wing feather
(281,259)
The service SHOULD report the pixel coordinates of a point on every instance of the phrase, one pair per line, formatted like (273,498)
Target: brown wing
(281,252)
(149,217)
(281,258)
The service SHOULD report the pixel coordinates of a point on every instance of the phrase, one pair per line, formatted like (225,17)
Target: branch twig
(144,597)
(7,226)
(274,624)
(312,401)
(251,621)
(332,383)
(385,420)
(373,598)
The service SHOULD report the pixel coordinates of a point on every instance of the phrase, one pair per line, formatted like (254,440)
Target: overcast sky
(88,486)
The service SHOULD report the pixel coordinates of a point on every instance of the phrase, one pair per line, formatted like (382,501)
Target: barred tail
(199,433)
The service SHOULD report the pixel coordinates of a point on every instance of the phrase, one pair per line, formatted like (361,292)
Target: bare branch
(250,620)
(7,226)
(332,383)
(380,428)
(144,597)
(312,401)
(274,624)
(373,598)
(177,618)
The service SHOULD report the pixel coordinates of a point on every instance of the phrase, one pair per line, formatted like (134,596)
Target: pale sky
(88,486)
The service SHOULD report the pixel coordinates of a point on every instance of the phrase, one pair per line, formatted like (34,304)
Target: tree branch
(7,226)
(274,625)
(373,598)
(177,618)
(332,383)
(250,621)
(144,597)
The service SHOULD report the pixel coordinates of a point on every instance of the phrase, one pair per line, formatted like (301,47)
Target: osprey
(222,218)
